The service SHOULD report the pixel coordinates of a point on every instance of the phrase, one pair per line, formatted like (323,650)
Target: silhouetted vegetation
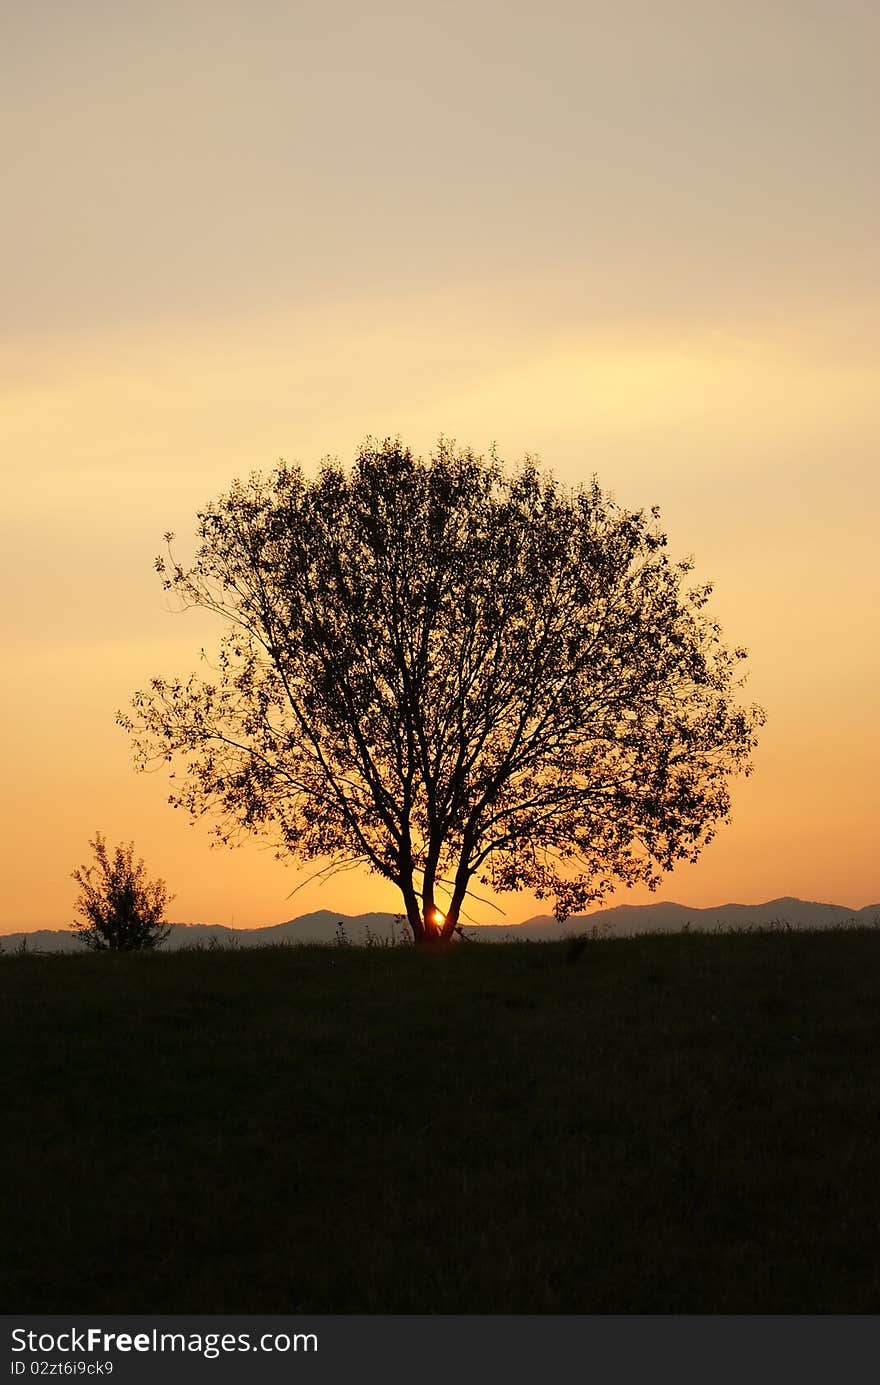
(665,1124)
(121,910)
(448,672)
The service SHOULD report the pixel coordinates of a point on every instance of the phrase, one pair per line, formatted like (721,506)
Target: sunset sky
(638,239)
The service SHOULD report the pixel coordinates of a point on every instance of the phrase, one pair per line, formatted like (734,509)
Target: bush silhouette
(121,910)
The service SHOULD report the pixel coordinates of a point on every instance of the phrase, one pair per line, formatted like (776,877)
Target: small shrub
(122,911)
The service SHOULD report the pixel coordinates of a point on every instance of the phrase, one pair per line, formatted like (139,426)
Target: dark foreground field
(680,1124)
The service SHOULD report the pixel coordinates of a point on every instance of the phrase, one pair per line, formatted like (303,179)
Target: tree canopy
(449,671)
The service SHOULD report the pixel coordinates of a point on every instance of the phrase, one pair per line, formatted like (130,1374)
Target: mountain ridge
(620,920)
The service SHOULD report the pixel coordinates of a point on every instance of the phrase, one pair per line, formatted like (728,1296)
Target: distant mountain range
(623,921)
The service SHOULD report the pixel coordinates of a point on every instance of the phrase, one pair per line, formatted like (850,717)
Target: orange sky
(638,248)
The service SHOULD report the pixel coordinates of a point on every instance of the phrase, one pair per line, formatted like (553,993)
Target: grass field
(672,1124)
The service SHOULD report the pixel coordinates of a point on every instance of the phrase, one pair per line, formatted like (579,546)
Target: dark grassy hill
(674,1124)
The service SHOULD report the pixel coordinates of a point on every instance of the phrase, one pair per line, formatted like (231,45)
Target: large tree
(448,671)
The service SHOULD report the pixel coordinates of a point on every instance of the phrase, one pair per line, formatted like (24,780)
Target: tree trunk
(428,923)
(413,912)
(450,922)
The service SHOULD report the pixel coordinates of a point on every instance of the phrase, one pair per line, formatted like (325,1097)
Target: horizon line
(391,914)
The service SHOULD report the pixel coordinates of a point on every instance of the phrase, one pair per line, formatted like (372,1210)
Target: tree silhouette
(121,910)
(447,671)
